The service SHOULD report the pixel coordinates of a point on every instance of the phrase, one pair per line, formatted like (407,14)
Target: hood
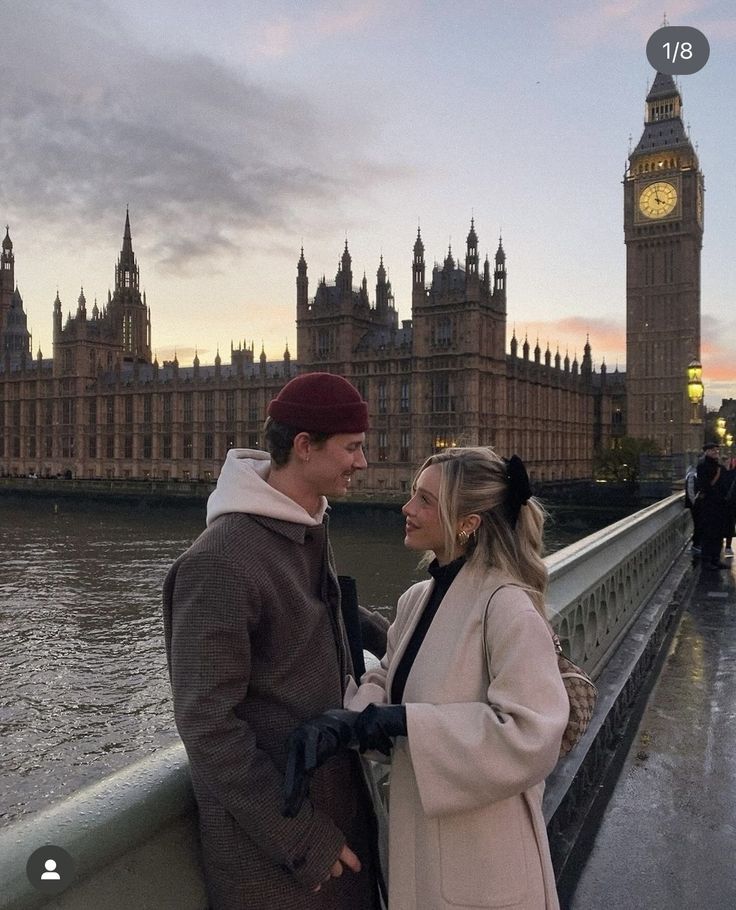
(242,487)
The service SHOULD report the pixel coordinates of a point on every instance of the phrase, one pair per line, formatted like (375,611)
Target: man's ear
(302,446)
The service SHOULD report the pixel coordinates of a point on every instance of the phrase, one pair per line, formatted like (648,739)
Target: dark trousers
(712,527)
(695,511)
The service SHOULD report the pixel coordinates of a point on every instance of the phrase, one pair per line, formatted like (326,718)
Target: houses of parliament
(102,407)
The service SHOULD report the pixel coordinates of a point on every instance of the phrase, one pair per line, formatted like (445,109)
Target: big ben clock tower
(663,229)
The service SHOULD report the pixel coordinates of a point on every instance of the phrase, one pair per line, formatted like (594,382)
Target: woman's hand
(377,725)
(308,747)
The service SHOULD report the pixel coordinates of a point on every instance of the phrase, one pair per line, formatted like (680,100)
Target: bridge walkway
(667,836)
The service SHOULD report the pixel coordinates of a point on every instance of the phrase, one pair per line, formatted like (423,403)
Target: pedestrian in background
(691,503)
(728,479)
(712,507)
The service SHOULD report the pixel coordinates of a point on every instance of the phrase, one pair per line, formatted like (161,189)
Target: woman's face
(424,530)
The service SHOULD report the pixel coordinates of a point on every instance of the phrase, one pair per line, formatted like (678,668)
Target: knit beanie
(320,403)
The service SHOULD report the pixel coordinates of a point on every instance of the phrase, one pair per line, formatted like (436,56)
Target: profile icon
(50,869)
(50,875)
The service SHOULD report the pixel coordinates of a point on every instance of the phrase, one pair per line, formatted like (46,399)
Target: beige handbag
(582,695)
(580,688)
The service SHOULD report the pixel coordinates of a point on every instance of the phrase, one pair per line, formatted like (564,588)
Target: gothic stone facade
(101,408)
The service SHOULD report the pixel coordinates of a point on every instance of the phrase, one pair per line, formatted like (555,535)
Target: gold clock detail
(658,199)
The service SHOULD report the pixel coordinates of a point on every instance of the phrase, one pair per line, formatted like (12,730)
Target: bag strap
(485,626)
(555,637)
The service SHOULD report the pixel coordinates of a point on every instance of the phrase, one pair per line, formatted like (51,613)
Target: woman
(475,726)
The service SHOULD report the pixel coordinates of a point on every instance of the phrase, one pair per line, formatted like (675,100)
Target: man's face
(712,453)
(332,463)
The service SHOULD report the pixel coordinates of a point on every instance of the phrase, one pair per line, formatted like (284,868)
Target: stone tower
(663,229)
(127,309)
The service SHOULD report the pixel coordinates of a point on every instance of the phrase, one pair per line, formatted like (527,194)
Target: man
(711,507)
(256,645)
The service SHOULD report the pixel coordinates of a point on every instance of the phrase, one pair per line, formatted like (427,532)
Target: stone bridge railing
(133,834)
(598,585)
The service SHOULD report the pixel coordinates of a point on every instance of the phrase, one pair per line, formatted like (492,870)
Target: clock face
(658,199)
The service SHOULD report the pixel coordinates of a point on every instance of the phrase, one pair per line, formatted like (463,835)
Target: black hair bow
(519,490)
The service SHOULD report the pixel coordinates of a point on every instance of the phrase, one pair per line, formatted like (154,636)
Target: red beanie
(320,403)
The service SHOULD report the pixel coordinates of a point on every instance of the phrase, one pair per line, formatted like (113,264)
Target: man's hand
(346,858)
(308,747)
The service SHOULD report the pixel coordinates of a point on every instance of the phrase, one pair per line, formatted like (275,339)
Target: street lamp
(695,388)
(720,428)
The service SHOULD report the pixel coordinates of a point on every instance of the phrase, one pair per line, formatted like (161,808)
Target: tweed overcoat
(256,645)
(465,824)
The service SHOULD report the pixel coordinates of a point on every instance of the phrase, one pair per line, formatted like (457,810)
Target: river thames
(83,682)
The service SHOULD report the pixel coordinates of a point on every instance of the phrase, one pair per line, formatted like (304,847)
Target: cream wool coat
(465,812)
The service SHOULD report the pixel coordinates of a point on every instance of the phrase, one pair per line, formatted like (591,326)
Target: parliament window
(188,407)
(405,401)
(383,446)
(209,407)
(405,446)
(382,397)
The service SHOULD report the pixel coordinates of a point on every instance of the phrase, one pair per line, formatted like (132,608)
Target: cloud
(314,22)
(607,336)
(91,120)
(618,22)
(185,355)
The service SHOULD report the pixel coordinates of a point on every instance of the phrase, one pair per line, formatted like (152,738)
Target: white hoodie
(242,487)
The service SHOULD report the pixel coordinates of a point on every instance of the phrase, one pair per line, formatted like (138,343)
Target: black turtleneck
(443,577)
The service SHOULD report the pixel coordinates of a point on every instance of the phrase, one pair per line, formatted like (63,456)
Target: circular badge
(50,869)
(678,50)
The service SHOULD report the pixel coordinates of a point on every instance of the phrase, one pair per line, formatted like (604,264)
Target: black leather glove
(308,747)
(377,724)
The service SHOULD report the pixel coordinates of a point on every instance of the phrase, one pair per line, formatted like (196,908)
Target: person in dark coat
(712,507)
(728,489)
(256,644)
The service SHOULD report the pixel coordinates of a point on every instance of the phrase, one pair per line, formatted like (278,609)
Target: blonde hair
(474,480)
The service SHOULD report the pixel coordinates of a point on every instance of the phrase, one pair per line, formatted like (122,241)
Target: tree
(621,463)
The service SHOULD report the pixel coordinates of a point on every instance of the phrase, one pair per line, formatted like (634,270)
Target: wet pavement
(668,836)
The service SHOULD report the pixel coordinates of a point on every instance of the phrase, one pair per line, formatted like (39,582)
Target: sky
(239,130)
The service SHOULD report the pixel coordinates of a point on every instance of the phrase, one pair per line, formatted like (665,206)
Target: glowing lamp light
(694,382)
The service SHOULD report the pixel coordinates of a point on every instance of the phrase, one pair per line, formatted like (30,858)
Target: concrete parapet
(598,585)
(132,836)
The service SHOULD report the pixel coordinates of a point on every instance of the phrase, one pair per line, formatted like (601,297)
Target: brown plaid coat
(256,645)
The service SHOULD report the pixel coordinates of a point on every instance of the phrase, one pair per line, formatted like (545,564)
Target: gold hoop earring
(463,537)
